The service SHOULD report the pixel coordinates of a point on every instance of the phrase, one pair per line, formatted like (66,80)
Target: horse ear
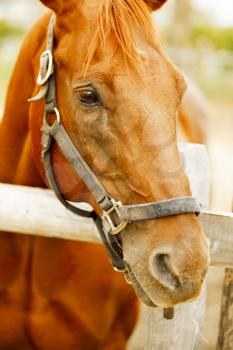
(155,4)
(55,5)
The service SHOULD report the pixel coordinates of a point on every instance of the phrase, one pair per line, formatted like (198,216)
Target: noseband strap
(116,216)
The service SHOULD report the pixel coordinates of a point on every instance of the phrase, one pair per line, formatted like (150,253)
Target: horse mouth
(131,279)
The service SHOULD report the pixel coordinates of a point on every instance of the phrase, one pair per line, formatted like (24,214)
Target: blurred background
(198,37)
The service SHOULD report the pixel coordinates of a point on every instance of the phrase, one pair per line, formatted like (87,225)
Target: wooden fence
(36,211)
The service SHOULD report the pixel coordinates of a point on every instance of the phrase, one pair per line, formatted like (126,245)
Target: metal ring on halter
(57,113)
(123,269)
(58,117)
(49,69)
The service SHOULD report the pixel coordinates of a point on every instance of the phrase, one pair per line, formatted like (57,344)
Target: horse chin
(142,295)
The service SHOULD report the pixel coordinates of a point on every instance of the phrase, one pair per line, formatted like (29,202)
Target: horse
(117,94)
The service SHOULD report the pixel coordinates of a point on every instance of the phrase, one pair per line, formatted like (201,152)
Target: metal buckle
(49,69)
(115,229)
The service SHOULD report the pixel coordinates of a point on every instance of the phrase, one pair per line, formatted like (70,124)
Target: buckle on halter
(46,67)
(112,216)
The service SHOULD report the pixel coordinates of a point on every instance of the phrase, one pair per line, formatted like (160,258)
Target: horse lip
(131,279)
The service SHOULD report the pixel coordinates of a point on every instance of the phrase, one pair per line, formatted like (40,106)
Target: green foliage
(8,30)
(218,38)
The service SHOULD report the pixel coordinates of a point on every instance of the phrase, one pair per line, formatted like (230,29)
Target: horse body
(57,294)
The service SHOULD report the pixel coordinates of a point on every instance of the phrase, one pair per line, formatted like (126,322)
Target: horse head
(118,96)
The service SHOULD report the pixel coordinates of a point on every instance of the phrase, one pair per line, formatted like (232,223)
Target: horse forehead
(150,75)
(154,70)
(153,66)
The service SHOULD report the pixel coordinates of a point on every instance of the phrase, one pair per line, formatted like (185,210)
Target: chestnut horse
(118,96)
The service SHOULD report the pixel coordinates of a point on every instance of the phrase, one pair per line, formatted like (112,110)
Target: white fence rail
(36,211)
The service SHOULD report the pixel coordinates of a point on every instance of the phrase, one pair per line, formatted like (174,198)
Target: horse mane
(120,18)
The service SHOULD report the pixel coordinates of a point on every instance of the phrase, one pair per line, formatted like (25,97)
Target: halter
(116,216)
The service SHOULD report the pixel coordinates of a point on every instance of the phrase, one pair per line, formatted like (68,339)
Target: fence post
(225,336)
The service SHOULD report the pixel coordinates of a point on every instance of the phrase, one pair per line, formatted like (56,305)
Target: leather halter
(116,216)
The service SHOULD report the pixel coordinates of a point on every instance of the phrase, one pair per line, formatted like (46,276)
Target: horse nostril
(162,269)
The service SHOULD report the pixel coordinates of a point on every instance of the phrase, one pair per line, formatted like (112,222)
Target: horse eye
(88,97)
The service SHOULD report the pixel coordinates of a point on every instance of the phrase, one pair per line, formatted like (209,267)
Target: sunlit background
(198,36)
